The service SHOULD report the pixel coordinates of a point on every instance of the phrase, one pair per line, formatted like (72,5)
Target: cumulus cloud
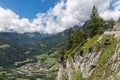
(114,14)
(9,21)
(63,15)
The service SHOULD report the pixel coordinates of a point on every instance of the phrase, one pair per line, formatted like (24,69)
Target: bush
(1,79)
(64,79)
(77,76)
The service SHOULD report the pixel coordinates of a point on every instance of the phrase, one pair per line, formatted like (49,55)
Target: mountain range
(16,47)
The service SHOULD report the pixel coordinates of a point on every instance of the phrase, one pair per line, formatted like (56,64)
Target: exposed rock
(117,27)
(84,64)
(115,32)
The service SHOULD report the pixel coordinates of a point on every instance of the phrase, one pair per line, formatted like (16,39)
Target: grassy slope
(109,51)
(49,59)
(104,58)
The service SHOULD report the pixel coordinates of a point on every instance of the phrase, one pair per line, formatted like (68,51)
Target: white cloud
(111,14)
(10,21)
(64,14)
(115,14)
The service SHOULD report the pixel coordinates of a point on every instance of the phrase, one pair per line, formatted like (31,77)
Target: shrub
(77,75)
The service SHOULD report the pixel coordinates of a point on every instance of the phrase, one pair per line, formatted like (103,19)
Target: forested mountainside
(16,47)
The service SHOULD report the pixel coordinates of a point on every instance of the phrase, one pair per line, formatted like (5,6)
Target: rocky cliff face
(117,27)
(96,63)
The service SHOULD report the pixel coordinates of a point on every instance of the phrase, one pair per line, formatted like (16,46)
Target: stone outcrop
(115,32)
(84,64)
(116,27)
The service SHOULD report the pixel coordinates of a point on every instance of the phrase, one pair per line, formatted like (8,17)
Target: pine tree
(69,39)
(79,38)
(95,23)
(61,52)
(94,13)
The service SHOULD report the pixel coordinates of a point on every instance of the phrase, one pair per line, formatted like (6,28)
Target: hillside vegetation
(15,47)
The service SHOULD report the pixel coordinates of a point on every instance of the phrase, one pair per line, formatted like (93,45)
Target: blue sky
(52,16)
(112,2)
(28,8)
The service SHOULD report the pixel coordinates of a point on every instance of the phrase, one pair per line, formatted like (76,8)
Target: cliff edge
(97,59)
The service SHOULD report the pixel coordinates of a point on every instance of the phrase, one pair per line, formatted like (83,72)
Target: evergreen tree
(79,38)
(69,39)
(61,52)
(95,23)
(94,13)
